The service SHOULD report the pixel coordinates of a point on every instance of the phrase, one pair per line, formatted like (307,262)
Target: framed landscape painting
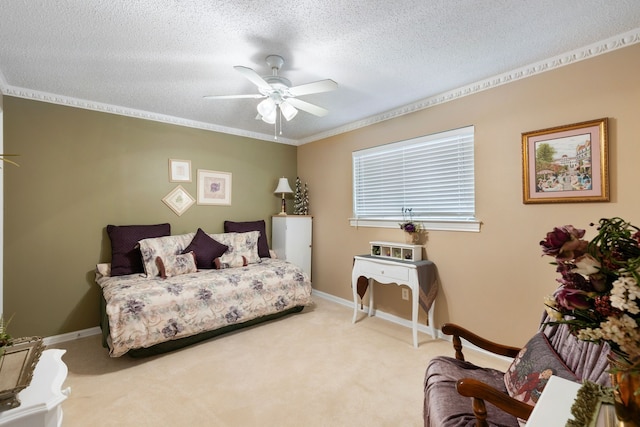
(566,164)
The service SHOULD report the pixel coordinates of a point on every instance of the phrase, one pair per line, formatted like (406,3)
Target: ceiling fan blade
(315,87)
(254,96)
(309,108)
(253,77)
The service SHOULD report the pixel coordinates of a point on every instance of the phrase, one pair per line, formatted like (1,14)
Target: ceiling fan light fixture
(288,110)
(270,118)
(267,108)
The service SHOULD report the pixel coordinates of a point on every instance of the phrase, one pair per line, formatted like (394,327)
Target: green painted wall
(81,170)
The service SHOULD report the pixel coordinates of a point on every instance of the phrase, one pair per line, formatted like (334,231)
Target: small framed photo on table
(179,170)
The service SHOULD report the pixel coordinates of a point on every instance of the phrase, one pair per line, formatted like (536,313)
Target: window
(431,175)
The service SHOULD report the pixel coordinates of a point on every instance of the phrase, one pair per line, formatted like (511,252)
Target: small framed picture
(214,188)
(178,200)
(179,170)
(566,164)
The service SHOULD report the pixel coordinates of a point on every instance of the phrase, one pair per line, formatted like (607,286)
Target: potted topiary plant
(5,338)
(3,157)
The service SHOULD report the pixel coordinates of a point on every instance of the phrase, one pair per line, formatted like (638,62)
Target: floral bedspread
(143,312)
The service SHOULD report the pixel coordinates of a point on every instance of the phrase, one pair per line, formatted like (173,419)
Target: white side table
(40,403)
(387,271)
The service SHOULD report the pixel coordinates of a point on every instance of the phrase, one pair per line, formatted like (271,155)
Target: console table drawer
(389,272)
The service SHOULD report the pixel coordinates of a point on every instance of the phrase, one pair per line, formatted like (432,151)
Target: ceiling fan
(278,93)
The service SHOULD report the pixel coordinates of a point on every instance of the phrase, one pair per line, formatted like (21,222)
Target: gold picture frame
(16,369)
(566,164)
(214,188)
(179,200)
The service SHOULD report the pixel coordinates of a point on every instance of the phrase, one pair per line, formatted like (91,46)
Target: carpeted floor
(314,368)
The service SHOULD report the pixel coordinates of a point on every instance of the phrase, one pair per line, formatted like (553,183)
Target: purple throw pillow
(125,254)
(244,227)
(206,249)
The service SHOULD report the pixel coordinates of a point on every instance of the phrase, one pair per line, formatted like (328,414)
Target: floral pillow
(246,226)
(237,261)
(242,245)
(162,247)
(175,265)
(530,370)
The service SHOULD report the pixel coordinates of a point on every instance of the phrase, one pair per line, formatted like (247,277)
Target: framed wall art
(214,188)
(566,163)
(179,170)
(178,200)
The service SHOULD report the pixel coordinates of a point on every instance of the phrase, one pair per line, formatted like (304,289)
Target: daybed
(192,287)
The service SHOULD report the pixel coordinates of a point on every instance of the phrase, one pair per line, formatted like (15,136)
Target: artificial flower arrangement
(599,296)
(407,224)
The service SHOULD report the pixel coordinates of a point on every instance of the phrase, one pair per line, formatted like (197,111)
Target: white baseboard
(56,339)
(406,323)
(381,314)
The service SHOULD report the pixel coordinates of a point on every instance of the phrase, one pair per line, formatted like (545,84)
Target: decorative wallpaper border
(596,49)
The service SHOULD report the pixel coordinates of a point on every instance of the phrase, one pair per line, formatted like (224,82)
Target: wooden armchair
(478,391)
(494,396)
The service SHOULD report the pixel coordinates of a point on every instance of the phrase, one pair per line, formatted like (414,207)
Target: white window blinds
(431,175)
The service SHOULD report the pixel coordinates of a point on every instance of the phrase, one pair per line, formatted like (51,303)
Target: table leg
(414,315)
(354,285)
(431,325)
(370,289)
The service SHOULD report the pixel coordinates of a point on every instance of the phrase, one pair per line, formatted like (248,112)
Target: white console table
(419,276)
(40,403)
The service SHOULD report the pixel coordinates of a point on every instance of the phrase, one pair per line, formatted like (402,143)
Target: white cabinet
(291,239)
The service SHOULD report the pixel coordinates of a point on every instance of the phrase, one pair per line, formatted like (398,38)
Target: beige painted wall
(493,281)
(81,170)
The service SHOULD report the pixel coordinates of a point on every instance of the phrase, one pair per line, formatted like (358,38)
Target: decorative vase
(625,380)
(412,238)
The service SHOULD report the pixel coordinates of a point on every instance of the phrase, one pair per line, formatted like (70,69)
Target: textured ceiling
(158,58)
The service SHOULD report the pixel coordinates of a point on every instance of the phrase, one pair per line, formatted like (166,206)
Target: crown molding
(617,42)
(605,46)
(130,112)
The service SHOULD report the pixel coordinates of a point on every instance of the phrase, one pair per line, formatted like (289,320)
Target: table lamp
(283,188)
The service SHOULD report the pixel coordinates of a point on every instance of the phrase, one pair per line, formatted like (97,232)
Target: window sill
(469,225)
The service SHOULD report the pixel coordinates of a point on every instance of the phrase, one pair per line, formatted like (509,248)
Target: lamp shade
(288,110)
(283,186)
(271,118)
(266,107)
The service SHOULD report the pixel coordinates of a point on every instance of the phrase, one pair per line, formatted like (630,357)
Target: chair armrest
(480,392)
(460,332)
